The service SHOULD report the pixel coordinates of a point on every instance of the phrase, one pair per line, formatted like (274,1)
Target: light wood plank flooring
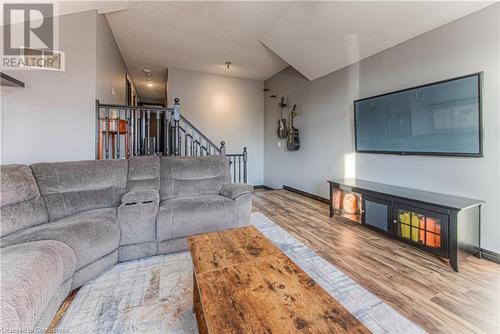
(422,287)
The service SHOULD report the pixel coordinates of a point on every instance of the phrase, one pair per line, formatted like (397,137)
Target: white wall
(53,117)
(468,45)
(111,87)
(224,108)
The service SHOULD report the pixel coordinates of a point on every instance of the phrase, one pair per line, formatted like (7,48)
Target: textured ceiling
(196,36)
(262,38)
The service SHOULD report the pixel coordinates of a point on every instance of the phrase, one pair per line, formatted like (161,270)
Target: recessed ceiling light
(149,84)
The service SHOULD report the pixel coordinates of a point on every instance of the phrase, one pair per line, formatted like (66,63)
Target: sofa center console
(445,225)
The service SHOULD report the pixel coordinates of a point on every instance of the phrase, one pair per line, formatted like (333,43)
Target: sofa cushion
(143,172)
(76,186)
(32,274)
(193,176)
(90,234)
(181,217)
(20,203)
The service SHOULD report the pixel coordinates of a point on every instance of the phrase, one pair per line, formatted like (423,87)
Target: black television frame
(447,154)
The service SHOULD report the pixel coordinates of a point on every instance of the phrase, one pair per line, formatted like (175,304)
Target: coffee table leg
(197,309)
(195,292)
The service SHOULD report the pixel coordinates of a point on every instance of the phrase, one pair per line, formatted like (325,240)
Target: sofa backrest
(143,172)
(20,203)
(191,176)
(75,186)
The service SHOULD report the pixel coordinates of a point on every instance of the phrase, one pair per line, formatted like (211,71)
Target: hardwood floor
(420,286)
(60,312)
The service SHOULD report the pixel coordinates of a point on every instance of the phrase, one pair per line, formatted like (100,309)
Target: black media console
(444,225)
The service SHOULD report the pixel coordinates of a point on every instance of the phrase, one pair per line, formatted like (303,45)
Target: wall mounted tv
(441,118)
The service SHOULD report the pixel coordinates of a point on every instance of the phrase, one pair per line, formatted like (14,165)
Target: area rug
(154,295)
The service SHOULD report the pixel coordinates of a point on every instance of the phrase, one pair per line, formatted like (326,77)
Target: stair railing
(124,131)
(238,166)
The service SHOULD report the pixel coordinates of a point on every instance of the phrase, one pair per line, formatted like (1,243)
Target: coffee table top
(247,285)
(222,249)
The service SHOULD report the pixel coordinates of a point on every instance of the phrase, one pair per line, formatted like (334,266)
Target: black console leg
(331,200)
(454,264)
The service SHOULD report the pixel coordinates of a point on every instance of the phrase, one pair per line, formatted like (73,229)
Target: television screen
(442,118)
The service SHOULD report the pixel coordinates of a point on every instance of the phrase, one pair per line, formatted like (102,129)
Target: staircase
(124,131)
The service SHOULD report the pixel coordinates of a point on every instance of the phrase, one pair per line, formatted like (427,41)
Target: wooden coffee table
(244,284)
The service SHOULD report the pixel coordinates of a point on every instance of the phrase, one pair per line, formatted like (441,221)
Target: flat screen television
(441,118)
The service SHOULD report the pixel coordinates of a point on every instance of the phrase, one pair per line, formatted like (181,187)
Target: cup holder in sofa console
(137,216)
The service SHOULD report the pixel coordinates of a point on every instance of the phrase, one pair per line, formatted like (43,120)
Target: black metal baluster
(234,169)
(179,139)
(169,133)
(138,131)
(245,158)
(129,132)
(192,142)
(141,132)
(148,131)
(185,140)
(134,113)
(157,136)
(239,168)
(165,133)
(106,139)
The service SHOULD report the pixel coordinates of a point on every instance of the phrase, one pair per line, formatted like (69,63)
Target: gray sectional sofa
(64,223)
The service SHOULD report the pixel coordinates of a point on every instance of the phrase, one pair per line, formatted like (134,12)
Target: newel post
(222,148)
(175,133)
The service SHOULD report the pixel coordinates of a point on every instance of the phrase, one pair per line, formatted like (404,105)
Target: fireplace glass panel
(419,228)
(347,204)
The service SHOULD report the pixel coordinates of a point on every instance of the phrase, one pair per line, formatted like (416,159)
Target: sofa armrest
(141,196)
(234,190)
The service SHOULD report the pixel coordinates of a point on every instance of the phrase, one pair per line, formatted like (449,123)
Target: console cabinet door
(376,213)
(423,228)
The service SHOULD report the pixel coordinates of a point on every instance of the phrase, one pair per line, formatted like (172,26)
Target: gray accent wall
(325,105)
